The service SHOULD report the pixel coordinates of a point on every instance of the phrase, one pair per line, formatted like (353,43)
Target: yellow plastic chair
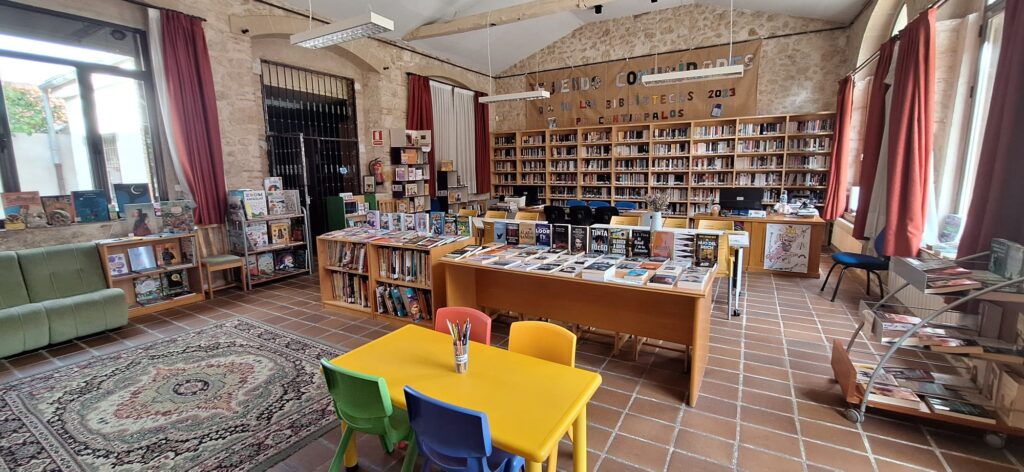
(544,341)
(675,223)
(527,216)
(467,212)
(625,220)
(496,214)
(725,257)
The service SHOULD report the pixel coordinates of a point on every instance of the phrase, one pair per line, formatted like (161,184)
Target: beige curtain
(465,140)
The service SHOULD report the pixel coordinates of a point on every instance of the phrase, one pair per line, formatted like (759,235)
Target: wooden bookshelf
(691,160)
(372,277)
(186,244)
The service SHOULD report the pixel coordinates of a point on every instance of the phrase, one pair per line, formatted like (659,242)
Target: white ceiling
(511,43)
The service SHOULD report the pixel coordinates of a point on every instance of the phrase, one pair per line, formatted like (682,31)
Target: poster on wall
(787,247)
(612,92)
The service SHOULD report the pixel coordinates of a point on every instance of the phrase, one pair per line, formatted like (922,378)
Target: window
(902,18)
(73,107)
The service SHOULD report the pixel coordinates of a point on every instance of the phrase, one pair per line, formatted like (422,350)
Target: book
(569,270)
(951,285)
(659,280)
(408,222)
(560,236)
(178,216)
(23,210)
(707,249)
(599,240)
(142,258)
(436,223)
(463,226)
(412,303)
(947,273)
(959,409)
(255,203)
(578,239)
(895,395)
(373,219)
(168,253)
(252,266)
(256,234)
(488,231)
(273,184)
(512,233)
(292,202)
(276,203)
(683,246)
(300,259)
(618,241)
(147,290)
(1007,259)
(907,373)
(175,283)
(188,251)
(543,231)
(694,278)
(661,244)
(125,194)
(90,206)
(598,270)
(640,243)
(451,227)
(499,232)
(953,345)
(284,261)
(504,263)
(527,233)
(280,232)
(461,253)
(422,222)
(864,372)
(59,209)
(117,265)
(143,219)
(265,263)
(931,389)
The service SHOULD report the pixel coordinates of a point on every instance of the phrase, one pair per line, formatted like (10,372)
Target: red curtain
(420,116)
(999,185)
(874,129)
(193,110)
(910,137)
(835,200)
(483,152)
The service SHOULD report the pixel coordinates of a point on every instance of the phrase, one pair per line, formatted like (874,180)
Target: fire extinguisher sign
(377,137)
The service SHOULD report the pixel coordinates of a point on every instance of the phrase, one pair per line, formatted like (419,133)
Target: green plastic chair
(363,403)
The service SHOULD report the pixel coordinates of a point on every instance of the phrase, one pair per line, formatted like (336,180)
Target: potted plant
(657,202)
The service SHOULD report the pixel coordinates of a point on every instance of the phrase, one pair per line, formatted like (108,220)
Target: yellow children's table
(529,402)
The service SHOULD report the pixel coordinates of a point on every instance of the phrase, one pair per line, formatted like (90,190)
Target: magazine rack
(846,374)
(237,224)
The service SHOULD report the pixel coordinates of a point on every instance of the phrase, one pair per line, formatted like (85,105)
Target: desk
(800,258)
(679,316)
(530,403)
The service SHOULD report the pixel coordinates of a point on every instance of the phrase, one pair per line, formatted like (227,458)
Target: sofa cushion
(12,286)
(22,328)
(88,313)
(61,271)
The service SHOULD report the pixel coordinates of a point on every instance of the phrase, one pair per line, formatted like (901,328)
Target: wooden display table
(792,244)
(678,316)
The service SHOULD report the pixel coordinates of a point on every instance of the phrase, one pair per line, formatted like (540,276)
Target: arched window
(901,20)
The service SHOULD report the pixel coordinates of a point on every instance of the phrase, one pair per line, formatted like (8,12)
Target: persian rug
(237,395)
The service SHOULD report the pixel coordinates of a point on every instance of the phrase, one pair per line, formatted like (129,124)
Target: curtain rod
(144,4)
(935,4)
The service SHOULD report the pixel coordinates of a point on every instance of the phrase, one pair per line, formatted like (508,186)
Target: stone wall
(798,73)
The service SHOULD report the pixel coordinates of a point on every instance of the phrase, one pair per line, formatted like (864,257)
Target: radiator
(919,302)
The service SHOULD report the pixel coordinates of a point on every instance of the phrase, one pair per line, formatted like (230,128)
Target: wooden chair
(675,223)
(527,216)
(468,212)
(215,256)
(625,221)
(497,214)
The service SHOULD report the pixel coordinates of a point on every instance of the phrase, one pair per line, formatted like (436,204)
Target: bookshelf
(349,286)
(411,176)
(691,160)
(183,247)
(266,258)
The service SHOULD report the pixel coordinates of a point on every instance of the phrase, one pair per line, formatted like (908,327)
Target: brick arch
(273,26)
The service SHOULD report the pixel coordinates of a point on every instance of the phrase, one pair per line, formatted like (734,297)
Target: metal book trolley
(847,376)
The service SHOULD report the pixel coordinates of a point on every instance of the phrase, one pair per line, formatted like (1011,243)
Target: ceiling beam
(502,16)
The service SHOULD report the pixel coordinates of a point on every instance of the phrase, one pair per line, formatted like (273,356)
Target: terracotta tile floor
(768,402)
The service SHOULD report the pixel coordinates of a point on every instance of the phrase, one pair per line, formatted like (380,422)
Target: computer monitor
(741,198)
(529,193)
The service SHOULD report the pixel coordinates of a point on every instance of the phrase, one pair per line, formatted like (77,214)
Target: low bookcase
(173,280)
(351,272)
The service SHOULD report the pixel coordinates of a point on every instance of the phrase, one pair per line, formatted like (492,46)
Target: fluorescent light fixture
(514,97)
(695,75)
(341,31)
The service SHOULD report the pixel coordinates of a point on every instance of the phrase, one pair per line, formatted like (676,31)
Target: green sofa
(55,294)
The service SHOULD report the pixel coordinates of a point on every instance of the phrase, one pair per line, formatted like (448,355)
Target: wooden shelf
(137,309)
(127,282)
(347,271)
(403,283)
(277,275)
(135,275)
(276,247)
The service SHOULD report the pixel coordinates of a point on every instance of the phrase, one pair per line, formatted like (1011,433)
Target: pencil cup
(461,359)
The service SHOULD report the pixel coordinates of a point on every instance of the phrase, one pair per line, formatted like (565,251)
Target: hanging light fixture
(538,94)
(697,75)
(349,29)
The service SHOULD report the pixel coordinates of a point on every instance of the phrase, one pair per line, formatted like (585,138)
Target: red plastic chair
(481,331)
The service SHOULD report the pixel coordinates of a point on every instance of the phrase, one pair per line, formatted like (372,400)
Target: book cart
(114,253)
(352,270)
(846,373)
(242,245)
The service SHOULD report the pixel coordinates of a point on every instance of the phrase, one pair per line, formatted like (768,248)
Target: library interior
(512,235)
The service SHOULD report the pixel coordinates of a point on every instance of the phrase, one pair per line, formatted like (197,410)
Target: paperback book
(436,223)
(168,254)
(618,240)
(59,209)
(90,206)
(147,290)
(512,233)
(543,231)
(125,194)
(661,244)
(959,409)
(143,219)
(175,283)
(499,232)
(599,240)
(23,210)
(707,249)
(276,204)
(178,216)
(640,243)
(255,203)
(280,232)
(560,236)
(578,239)
(117,265)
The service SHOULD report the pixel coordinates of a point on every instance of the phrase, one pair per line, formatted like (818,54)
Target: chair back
(527,216)
(879,244)
(452,437)
(468,212)
(625,220)
(213,240)
(603,215)
(675,223)
(361,401)
(481,331)
(554,214)
(581,215)
(572,203)
(718,225)
(544,341)
(496,214)
(598,204)
(625,205)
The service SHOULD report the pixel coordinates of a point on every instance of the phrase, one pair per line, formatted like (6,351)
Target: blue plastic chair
(572,203)
(853,260)
(625,205)
(455,439)
(598,204)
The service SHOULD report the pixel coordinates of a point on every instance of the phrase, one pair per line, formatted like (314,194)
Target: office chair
(572,203)
(581,215)
(603,214)
(555,214)
(625,205)
(598,204)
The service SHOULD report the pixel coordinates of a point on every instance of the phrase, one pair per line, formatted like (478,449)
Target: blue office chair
(572,203)
(853,260)
(455,438)
(625,205)
(598,204)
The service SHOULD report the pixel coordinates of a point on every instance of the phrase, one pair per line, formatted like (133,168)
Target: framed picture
(369,185)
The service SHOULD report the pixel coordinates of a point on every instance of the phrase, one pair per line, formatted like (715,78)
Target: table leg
(579,441)
(739,281)
(532,466)
(351,455)
(729,295)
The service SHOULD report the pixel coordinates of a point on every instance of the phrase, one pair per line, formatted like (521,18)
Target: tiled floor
(768,402)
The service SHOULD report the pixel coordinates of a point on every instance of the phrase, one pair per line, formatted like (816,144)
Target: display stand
(117,249)
(237,224)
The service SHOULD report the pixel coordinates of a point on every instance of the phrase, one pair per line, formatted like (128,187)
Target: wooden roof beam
(502,16)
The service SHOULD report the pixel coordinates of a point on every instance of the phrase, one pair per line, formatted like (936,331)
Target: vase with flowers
(657,202)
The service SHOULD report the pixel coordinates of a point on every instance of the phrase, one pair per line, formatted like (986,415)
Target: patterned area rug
(237,395)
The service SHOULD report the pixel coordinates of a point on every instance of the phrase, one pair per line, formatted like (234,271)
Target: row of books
(411,239)
(261,234)
(657,272)
(155,254)
(350,288)
(351,256)
(917,389)
(272,200)
(268,264)
(955,333)
(1006,263)
(404,302)
(161,287)
(410,265)
(23,210)
(436,223)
